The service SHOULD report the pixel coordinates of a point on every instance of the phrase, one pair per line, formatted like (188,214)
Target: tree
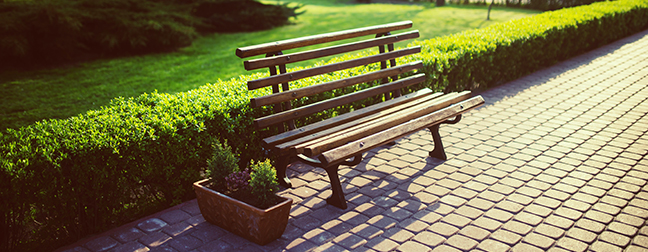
(489,9)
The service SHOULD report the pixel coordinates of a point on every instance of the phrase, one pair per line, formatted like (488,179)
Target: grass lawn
(29,96)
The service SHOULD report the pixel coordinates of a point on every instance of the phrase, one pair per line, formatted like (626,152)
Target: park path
(555,160)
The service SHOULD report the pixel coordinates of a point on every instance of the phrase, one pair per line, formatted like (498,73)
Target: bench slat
(292,146)
(296,75)
(358,131)
(337,101)
(278,46)
(324,87)
(349,150)
(328,51)
(269,142)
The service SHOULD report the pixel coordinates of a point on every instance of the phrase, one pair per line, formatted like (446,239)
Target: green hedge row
(63,179)
(503,52)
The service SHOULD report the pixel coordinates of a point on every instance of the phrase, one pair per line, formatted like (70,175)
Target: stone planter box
(260,226)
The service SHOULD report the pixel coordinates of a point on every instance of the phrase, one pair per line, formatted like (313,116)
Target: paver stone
(506,237)
(539,240)
(517,227)
(429,238)
(461,242)
(151,225)
(614,238)
(600,246)
(523,247)
(623,229)
(381,244)
(581,235)
(571,244)
(103,243)
(493,245)
(175,216)
(456,220)
(443,229)
(132,246)
(128,234)
(641,240)
(474,233)
(412,246)
(349,241)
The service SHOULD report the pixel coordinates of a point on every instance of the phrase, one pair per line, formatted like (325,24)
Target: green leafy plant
(222,163)
(255,185)
(263,183)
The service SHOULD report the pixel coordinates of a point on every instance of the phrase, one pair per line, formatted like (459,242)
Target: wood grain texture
(297,146)
(336,101)
(343,152)
(341,119)
(328,51)
(310,72)
(278,46)
(328,86)
(360,130)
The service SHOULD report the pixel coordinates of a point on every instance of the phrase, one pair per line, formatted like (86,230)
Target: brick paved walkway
(553,161)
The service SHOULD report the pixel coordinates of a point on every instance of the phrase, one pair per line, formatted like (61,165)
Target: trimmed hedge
(557,4)
(63,179)
(489,56)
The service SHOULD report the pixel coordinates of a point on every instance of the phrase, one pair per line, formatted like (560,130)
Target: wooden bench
(341,140)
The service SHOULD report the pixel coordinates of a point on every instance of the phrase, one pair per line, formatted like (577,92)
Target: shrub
(55,31)
(50,31)
(543,5)
(486,57)
(63,179)
(222,163)
(243,15)
(557,4)
(263,182)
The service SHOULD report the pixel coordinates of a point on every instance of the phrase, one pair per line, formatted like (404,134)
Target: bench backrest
(284,113)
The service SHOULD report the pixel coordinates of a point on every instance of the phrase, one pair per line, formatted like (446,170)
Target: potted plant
(242,202)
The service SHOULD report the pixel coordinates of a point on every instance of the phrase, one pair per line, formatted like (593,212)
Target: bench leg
(337,198)
(282,165)
(438,151)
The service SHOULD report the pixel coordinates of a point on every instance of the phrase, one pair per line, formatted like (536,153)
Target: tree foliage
(54,31)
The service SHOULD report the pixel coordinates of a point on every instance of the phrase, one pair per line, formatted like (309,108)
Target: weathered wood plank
(295,147)
(324,87)
(295,113)
(296,75)
(278,46)
(341,153)
(355,132)
(328,51)
(341,119)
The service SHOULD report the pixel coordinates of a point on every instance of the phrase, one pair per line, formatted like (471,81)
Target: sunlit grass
(29,96)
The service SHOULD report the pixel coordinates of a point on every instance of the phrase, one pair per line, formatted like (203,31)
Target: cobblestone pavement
(555,160)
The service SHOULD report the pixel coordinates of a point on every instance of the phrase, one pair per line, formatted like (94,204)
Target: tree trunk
(489,9)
